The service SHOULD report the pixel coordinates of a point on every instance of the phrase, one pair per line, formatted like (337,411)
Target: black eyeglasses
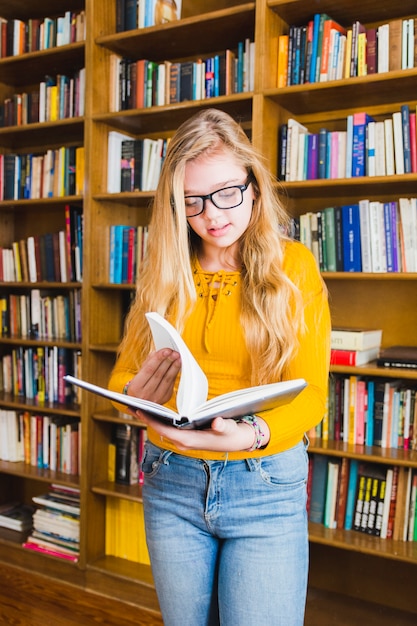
(226,198)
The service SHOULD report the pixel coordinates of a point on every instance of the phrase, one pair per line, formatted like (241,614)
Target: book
(16,516)
(318,488)
(353,357)
(398,356)
(193,409)
(355,338)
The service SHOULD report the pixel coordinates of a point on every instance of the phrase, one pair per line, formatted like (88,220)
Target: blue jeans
(228,540)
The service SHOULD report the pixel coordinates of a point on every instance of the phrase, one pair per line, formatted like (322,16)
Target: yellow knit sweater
(215,338)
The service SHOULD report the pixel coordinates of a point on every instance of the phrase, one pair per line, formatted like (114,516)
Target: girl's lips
(218,231)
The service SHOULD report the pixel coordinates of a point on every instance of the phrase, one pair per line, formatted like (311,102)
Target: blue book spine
(216,69)
(240,52)
(209,77)
(405,118)
(351,494)
(316,27)
(352,261)
(360,122)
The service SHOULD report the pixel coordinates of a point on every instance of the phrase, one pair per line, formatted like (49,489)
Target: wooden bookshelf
(388,301)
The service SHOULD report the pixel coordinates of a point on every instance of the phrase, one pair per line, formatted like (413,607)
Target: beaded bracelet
(252,420)
(126,387)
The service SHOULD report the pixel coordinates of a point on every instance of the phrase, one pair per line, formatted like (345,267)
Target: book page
(193,385)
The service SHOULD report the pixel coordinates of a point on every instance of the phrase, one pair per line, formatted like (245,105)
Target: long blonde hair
(271,309)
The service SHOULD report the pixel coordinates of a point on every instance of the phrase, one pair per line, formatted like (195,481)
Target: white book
(377,231)
(407,225)
(380,149)
(404,45)
(294,129)
(370,148)
(355,338)
(397,126)
(193,408)
(383,48)
(411,43)
(63,256)
(366,257)
(341,57)
(161,78)
(389,147)
(114,155)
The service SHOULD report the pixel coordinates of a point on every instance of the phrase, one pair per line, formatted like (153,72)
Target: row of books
(19,37)
(56,173)
(51,257)
(56,523)
(134,164)
(367,147)
(127,250)
(41,315)
(374,499)
(125,454)
(370,236)
(125,530)
(43,441)
(145,83)
(131,14)
(57,98)
(370,411)
(324,50)
(37,373)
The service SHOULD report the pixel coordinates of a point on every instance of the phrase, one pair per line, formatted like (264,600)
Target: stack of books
(56,523)
(354,346)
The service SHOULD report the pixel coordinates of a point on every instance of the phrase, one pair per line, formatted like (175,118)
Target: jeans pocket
(153,458)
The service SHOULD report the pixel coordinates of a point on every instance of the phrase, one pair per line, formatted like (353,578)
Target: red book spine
(343,357)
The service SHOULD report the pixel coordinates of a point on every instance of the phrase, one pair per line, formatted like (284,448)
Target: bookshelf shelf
(354,541)
(14,70)
(163,119)
(65,131)
(361,91)
(194,35)
(38,474)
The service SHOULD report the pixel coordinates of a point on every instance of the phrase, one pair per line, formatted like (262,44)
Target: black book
(398,356)
(126,440)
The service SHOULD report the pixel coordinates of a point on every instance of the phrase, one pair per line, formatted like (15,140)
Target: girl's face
(218,228)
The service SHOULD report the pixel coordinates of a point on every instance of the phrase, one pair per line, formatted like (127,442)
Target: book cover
(193,408)
(355,338)
(360,122)
(126,440)
(353,357)
(318,489)
(352,261)
(326,53)
(398,356)
(397,127)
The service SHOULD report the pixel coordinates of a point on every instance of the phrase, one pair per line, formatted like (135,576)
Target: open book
(194,410)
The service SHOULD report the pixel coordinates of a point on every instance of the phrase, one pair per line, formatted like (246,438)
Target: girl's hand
(224,435)
(155,380)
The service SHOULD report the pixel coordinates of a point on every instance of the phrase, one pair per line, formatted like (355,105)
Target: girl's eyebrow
(228,183)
